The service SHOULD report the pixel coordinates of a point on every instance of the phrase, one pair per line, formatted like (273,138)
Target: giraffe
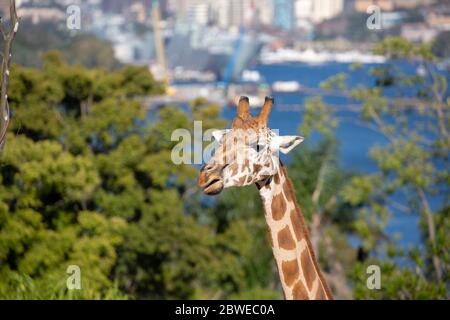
(248,154)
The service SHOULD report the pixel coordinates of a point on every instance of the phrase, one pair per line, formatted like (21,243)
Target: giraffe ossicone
(248,153)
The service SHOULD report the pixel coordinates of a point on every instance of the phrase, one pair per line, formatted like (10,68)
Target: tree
(8,37)
(84,49)
(55,209)
(412,164)
(88,181)
(441,46)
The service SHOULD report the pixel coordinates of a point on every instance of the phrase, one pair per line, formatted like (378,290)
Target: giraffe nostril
(209,167)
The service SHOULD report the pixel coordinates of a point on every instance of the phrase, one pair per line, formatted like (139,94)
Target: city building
(284,14)
(418,32)
(38,13)
(439,20)
(316,11)
(392,19)
(264,11)
(412,4)
(220,11)
(304,9)
(326,9)
(198,13)
(139,12)
(384,5)
(237,13)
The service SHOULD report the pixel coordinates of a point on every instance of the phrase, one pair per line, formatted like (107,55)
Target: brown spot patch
(234,168)
(242,180)
(278,207)
(299,291)
(249,179)
(297,224)
(308,268)
(285,239)
(257,167)
(276,178)
(290,271)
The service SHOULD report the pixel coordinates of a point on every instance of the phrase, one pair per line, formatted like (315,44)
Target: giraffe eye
(258,146)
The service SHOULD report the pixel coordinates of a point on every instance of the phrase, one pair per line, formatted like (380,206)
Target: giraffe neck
(299,272)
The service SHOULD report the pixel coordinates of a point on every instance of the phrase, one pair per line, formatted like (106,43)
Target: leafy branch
(8,37)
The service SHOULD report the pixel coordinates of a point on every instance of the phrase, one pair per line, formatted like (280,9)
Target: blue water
(354,138)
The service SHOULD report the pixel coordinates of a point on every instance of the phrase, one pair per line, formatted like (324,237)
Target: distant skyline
(287,14)
(306,16)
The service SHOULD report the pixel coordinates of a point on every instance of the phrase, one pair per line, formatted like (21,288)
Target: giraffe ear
(287,143)
(218,134)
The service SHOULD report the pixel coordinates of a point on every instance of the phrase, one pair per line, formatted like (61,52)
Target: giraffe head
(247,153)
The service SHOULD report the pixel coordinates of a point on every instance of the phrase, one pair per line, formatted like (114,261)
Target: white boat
(311,56)
(251,76)
(286,86)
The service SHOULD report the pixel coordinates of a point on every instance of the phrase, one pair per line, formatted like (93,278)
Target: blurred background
(86,176)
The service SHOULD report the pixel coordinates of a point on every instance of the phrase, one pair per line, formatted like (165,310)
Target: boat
(286,86)
(251,76)
(310,56)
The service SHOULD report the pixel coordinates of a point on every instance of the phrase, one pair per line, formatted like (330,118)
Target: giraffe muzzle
(213,187)
(210,181)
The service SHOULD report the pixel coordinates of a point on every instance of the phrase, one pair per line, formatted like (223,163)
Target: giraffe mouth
(213,187)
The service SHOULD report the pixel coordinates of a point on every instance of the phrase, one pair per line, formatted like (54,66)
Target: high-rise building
(221,12)
(233,13)
(264,11)
(284,13)
(179,9)
(326,9)
(304,9)
(316,11)
(198,13)
(241,12)
(384,5)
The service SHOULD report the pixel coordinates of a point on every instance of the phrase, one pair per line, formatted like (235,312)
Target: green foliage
(397,47)
(238,215)
(396,283)
(79,48)
(317,117)
(87,180)
(412,163)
